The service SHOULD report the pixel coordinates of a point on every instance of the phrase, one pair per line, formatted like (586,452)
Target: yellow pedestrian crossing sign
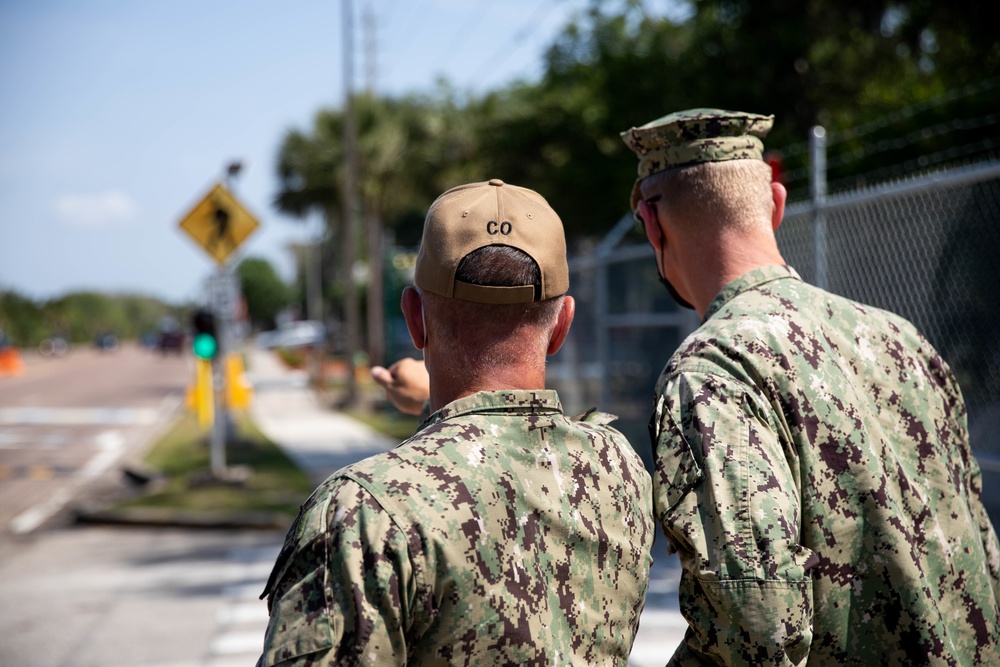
(219,223)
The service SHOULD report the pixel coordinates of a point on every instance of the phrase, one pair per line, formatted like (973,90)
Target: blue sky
(117,116)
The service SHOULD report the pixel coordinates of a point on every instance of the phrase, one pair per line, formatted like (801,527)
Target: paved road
(134,597)
(140,597)
(67,420)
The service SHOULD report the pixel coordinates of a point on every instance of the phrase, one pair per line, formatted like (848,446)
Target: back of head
(714,196)
(706,165)
(492,270)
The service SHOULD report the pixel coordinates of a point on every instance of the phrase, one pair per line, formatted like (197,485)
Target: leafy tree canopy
(890,80)
(265,292)
(81,316)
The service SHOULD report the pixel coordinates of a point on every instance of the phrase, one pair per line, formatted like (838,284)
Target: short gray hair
(486,335)
(734,194)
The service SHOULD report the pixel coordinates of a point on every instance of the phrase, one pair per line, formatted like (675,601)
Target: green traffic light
(205,346)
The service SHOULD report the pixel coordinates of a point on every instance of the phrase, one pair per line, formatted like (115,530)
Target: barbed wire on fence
(904,114)
(921,163)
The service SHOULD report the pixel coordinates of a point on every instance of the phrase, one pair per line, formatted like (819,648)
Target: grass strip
(274,485)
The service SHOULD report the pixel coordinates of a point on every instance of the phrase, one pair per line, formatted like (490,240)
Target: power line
(472,20)
(371,50)
(414,24)
(492,65)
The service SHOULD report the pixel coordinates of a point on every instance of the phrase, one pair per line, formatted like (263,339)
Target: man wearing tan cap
(502,532)
(812,461)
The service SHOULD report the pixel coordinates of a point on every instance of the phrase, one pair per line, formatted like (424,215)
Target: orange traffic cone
(11,362)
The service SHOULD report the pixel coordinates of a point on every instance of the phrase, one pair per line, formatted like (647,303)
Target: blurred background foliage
(899,85)
(80,317)
(265,293)
(920,73)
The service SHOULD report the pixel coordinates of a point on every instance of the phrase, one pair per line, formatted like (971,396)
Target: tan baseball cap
(476,215)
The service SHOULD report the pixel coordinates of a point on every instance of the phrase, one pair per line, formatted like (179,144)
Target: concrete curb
(154,517)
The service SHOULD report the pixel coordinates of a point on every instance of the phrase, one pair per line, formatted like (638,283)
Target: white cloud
(95,211)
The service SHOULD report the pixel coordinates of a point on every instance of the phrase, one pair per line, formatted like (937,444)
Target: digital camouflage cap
(696,135)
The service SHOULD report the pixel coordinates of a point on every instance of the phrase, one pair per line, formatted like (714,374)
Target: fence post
(603,337)
(817,191)
(602,306)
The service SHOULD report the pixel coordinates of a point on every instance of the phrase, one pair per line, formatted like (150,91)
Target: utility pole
(348,253)
(371,62)
(374,226)
(312,267)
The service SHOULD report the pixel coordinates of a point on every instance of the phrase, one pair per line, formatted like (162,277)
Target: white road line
(79,416)
(662,618)
(33,517)
(245,591)
(242,621)
(33,442)
(247,612)
(237,642)
(111,445)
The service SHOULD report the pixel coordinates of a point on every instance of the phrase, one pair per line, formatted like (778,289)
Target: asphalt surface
(152,597)
(66,421)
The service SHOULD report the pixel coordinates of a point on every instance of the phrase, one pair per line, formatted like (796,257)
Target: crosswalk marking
(243,619)
(79,416)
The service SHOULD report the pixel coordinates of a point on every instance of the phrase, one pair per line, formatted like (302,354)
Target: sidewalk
(287,410)
(321,441)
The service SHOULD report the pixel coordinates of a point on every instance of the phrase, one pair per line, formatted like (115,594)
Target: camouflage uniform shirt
(813,471)
(502,533)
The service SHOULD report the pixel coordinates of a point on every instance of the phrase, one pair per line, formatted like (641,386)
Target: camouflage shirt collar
(749,281)
(514,401)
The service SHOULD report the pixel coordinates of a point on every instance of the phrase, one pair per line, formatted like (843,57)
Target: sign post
(220,224)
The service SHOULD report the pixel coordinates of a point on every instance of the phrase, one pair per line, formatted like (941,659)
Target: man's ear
(778,197)
(563,322)
(650,223)
(413,312)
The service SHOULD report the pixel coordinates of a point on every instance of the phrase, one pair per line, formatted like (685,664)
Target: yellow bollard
(239,391)
(204,398)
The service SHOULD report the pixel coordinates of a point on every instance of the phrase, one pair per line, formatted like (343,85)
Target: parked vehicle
(55,345)
(294,334)
(107,342)
(171,337)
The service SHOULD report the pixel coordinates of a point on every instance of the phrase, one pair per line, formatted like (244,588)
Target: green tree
(265,292)
(21,319)
(409,150)
(840,64)
(80,316)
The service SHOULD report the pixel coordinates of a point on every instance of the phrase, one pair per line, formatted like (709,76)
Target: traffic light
(206,341)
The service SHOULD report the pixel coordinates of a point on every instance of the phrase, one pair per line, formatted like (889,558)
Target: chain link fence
(927,248)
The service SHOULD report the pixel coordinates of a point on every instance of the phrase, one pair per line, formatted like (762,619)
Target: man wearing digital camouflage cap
(502,532)
(812,460)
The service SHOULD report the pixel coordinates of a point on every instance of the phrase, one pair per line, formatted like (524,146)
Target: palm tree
(409,150)
(310,173)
